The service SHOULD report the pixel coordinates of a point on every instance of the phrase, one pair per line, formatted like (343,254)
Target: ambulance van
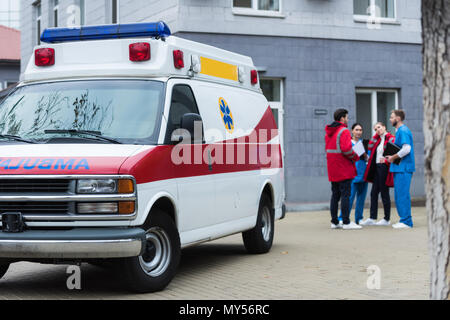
(123,144)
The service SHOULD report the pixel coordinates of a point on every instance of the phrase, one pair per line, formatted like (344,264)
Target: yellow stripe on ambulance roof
(218,69)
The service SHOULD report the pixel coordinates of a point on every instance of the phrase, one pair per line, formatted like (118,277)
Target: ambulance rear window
(126,110)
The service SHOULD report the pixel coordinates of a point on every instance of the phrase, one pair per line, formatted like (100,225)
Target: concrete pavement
(307,261)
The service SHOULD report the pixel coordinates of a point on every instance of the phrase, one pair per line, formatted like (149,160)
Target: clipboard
(359,148)
(392,149)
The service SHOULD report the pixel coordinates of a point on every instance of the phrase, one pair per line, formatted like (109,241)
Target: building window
(82,12)
(272,5)
(257,7)
(273,91)
(115,11)
(6,84)
(375,10)
(38,15)
(183,101)
(55,12)
(76,14)
(374,105)
(10,13)
(266,5)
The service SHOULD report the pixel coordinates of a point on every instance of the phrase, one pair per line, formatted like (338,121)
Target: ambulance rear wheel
(259,239)
(3,269)
(156,267)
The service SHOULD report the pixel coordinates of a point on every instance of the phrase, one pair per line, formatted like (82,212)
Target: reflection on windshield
(120,109)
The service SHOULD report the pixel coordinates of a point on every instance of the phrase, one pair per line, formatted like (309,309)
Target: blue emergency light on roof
(115,31)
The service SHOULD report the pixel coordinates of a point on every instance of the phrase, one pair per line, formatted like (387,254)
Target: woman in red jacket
(377,172)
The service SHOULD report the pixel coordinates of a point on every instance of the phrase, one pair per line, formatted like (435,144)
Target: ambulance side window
(183,101)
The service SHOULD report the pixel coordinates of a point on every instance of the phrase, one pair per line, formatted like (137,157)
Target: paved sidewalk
(307,261)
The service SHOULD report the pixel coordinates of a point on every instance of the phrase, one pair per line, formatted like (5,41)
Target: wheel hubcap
(266,224)
(156,257)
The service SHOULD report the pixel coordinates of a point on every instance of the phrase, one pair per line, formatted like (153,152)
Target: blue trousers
(359,190)
(402,183)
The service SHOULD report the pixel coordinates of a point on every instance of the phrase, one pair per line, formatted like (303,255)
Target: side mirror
(191,130)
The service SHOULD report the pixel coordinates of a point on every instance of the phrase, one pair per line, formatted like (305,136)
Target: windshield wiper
(15,138)
(96,134)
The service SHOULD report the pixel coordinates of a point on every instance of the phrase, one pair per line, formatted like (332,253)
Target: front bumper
(79,243)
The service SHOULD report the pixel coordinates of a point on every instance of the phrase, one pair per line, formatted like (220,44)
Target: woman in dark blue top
(359,186)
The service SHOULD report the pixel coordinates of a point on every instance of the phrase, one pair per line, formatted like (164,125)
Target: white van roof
(103,51)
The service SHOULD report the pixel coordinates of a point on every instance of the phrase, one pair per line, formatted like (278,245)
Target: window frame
(374,102)
(37,6)
(372,18)
(279,105)
(55,12)
(82,5)
(168,125)
(254,11)
(115,5)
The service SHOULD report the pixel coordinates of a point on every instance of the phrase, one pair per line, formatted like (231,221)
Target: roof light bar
(116,31)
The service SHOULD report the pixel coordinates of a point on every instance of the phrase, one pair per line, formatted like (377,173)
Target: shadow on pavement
(49,281)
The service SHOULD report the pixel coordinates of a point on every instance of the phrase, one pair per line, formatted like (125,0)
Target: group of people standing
(350,174)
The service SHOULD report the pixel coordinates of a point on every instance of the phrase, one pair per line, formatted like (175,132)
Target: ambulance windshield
(127,111)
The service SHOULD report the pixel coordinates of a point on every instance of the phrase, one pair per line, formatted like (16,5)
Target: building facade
(9,57)
(10,13)
(9,43)
(313,56)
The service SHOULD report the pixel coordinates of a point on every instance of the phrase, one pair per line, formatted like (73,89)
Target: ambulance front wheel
(3,269)
(259,239)
(156,267)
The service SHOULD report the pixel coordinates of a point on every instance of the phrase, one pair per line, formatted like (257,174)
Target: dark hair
(357,124)
(381,123)
(339,113)
(399,113)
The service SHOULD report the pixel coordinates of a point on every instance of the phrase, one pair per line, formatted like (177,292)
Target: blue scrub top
(404,136)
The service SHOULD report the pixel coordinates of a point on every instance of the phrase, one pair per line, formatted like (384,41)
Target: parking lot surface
(308,261)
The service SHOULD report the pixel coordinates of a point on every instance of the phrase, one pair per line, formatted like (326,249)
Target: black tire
(160,228)
(259,240)
(3,269)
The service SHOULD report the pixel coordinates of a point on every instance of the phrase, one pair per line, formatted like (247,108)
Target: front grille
(34,185)
(48,199)
(35,208)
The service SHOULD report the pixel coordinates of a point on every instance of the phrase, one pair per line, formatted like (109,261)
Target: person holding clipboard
(359,186)
(377,172)
(402,171)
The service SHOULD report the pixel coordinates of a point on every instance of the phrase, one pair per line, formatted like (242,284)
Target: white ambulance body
(125,145)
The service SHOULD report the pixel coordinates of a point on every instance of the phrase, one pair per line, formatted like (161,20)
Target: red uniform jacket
(371,167)
(340,156)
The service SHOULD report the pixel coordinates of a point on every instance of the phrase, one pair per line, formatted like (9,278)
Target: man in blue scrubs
(402,172)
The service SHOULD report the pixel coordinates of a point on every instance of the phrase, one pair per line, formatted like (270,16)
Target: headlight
(97,186)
